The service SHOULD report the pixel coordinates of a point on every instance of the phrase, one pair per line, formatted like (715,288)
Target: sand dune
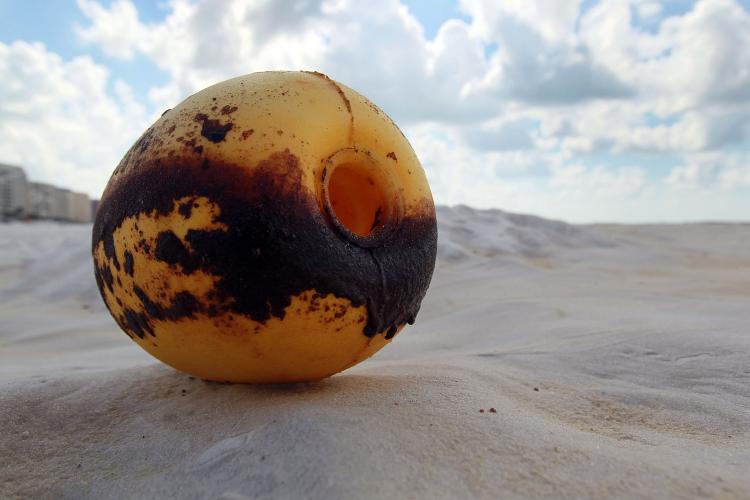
(548,360)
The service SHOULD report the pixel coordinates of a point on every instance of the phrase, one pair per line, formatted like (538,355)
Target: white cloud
(386,57)
(117,30)
(737,176)
(710,58)
(709,171)
(579,182)
(554,21)
(507,135)
(501,106)
(547,53)
(648,9)
(58,120)
(540,57)
(696,58)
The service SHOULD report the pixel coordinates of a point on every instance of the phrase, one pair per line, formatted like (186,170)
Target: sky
(580,110)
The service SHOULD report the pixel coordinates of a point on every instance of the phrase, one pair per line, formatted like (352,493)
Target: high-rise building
(79,207)
(43,203)
(21,199)
(13,192)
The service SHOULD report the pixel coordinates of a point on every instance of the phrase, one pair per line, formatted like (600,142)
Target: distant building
(43,203)
(21,199)
(61,210)
(13,192)
(79,207)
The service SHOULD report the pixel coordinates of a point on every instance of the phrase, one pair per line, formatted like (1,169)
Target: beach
(548,360)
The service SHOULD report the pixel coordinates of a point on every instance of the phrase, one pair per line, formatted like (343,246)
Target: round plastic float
(275,227)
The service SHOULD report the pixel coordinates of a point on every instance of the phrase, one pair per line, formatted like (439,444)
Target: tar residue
(128,263)
(186,208)
(169,249)
(212,129)
(277,244)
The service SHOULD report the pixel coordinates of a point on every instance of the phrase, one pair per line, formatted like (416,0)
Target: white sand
(617,359)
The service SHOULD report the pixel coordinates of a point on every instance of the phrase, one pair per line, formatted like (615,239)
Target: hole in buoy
(357,201)
(360,197)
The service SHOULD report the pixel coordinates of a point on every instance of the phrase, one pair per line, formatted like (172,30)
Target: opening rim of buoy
(363,160)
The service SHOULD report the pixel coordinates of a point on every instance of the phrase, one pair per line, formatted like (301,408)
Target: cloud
(648,9)
(554,21)
(540,58)
(541,53)
(698,58)
(737,176)
(380,49)
(578,181)
(504,136)
(505,106)
(59,120)
(488,177)
(117,30)
(709,171)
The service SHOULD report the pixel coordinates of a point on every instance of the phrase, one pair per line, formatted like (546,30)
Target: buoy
(275,227)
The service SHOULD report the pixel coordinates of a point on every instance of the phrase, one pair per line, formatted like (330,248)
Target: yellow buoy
(275,227)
